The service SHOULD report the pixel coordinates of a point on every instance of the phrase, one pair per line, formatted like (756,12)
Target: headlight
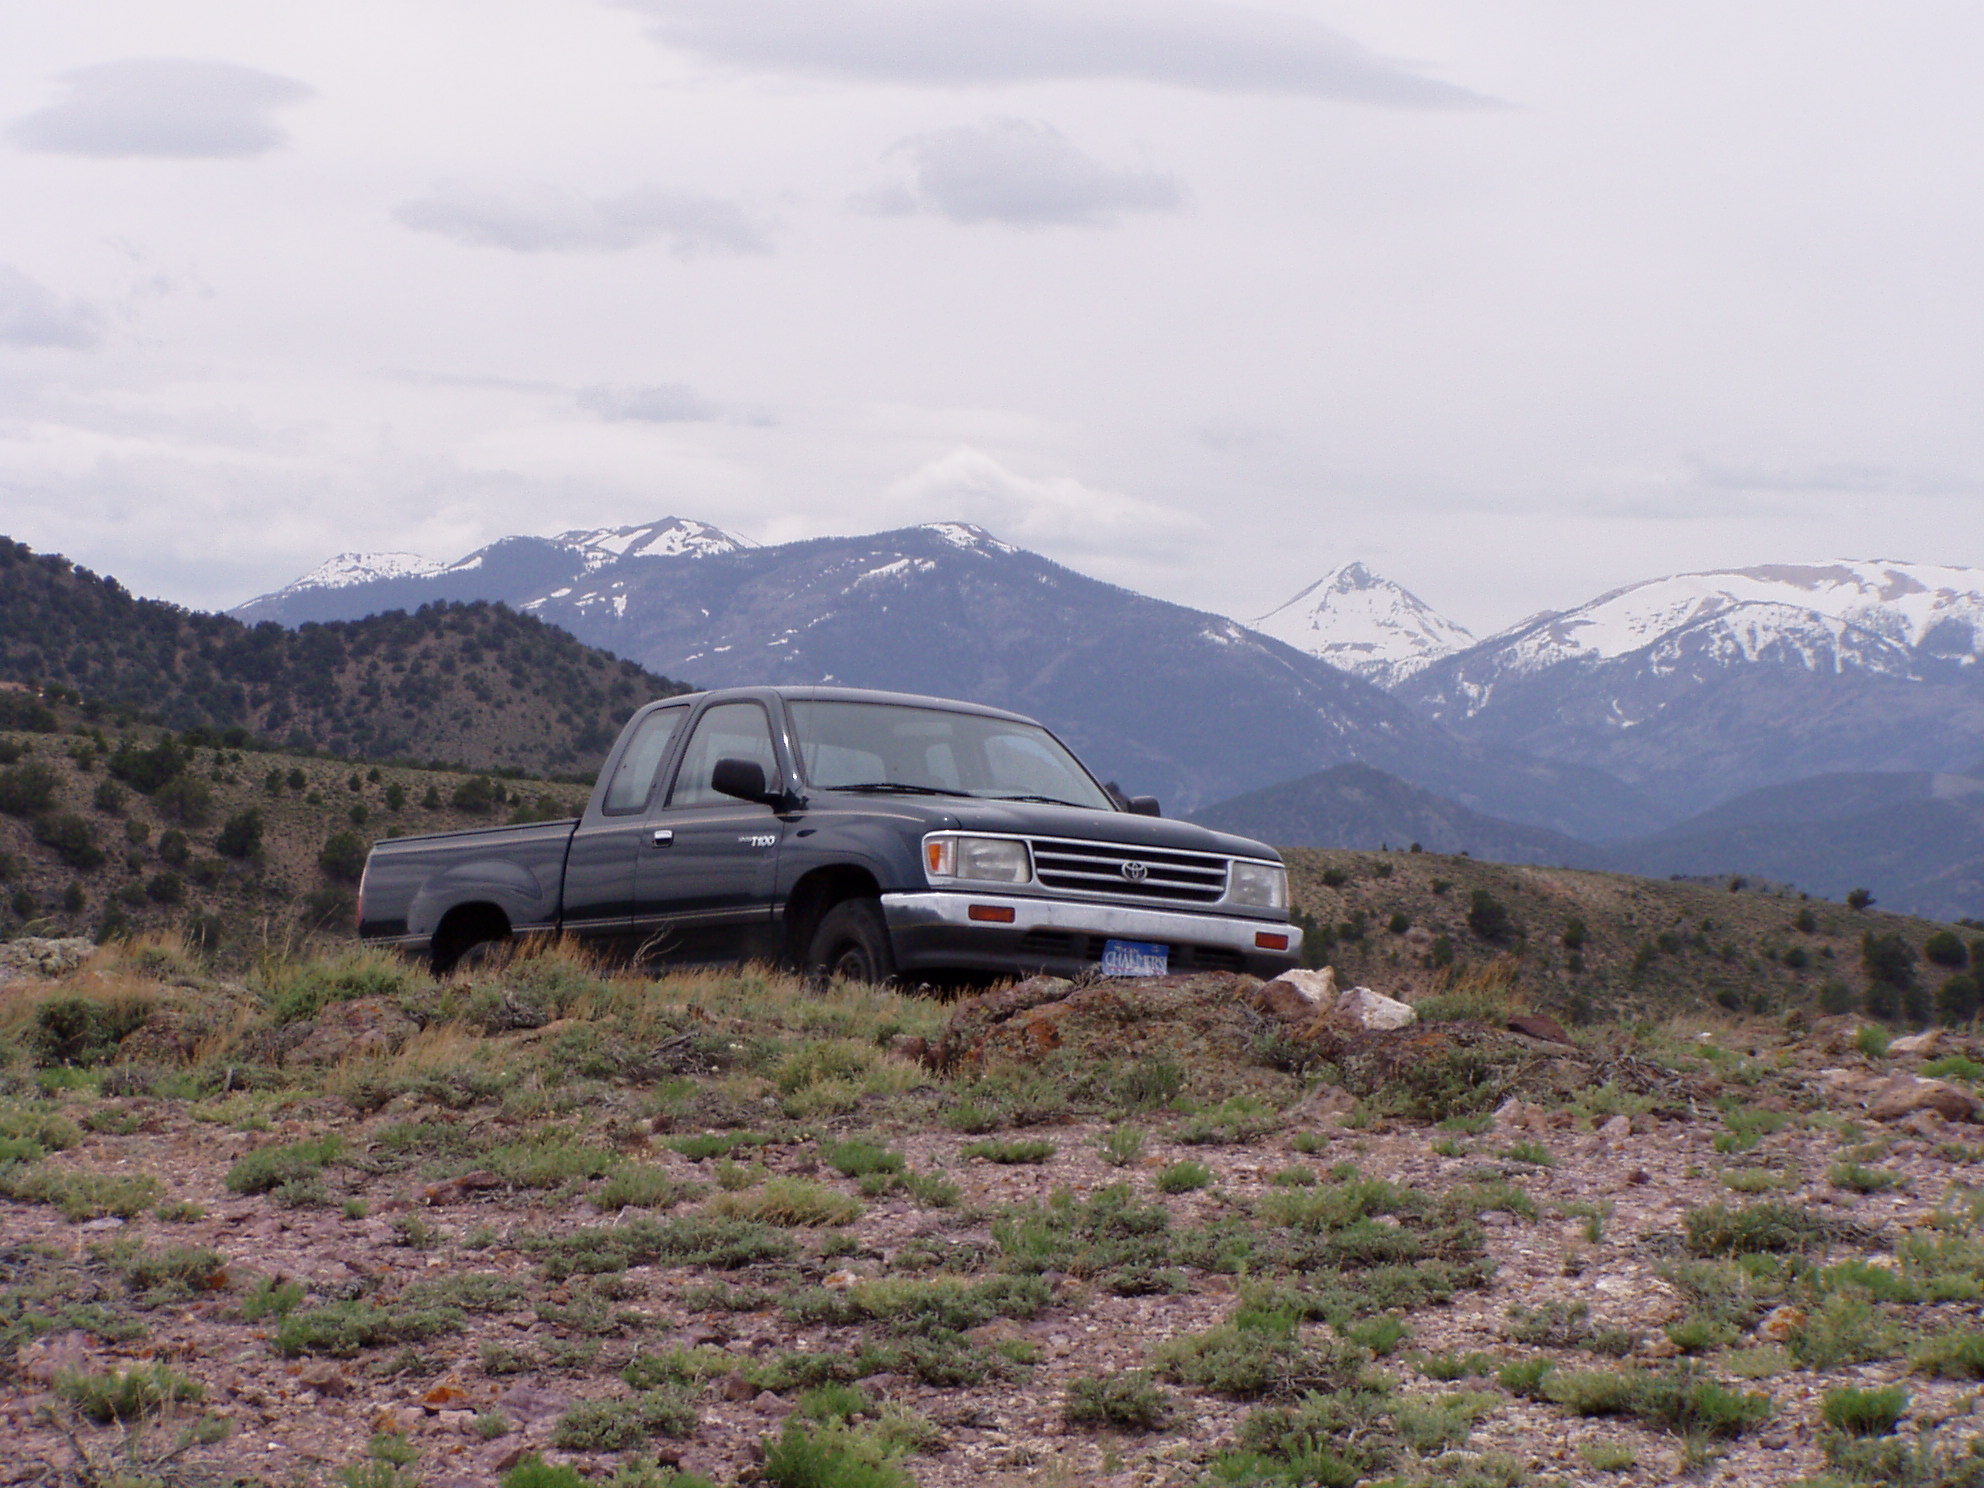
(1258,885)
(977,859)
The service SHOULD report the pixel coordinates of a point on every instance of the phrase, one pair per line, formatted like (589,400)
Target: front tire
(852,945)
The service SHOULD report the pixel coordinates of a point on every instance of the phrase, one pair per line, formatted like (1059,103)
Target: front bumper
(935,932)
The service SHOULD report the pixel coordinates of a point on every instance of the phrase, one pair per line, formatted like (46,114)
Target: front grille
(1098,868)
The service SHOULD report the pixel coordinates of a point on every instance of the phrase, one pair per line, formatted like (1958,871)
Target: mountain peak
(361,568)
(967,535)
(1364,623)
(669,537)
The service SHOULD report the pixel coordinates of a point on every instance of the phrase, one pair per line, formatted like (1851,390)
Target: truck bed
(410,881)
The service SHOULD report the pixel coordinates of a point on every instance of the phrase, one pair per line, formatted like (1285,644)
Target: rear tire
(852,945)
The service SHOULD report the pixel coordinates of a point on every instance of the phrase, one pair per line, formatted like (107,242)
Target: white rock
(1917,1043)
(1373,1010)
(1314,986)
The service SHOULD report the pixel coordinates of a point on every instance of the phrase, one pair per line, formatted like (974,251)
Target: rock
(40,955)
(1925,1124)
(528,1403)
(1317,988)
(344,1030)
(1660,1346)
(445,1396)
(1922,1044)
(736,1388)
(459,1421)
(1419,938)
(1363,1008)
(1510,1112)
(1617,1129)
(767,1404)
(325,1379)
(454,1189)
(1904,1094)
(1539,1026)
(909,1046)
(47,1357)
(1781,1324)
(168,1036)
(1286,1000)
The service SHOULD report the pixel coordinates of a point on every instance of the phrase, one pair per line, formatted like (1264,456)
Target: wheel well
(815,894)
(466,925)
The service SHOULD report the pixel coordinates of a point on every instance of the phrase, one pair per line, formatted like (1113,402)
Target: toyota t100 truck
(846,833)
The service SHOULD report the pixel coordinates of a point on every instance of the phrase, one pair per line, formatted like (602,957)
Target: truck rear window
(633,777)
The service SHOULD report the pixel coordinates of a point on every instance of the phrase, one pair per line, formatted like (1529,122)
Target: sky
(1513,302)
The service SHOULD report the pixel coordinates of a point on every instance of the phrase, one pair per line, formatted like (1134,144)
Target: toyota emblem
(1135,872)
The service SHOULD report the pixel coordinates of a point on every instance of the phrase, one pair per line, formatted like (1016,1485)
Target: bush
(1127,1402)
(616,1425)
(1957,1000)
(72,838)
(1946,948)
(147,769)
(480,795)
(830,1458)
(1865,1412)
(165,888)
(1754,1229)
(173,847)
(1184,1177)
(343,857)
(535,1472)
(125,1397)
(82,1031)
(1489,918)
(268,1168)
(241,837)
(25,715)
(186,800)
(1859,898)
(1888,958)
(1011,1152)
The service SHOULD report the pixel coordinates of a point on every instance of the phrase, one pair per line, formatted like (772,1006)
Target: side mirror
(744,779)
(1139,805)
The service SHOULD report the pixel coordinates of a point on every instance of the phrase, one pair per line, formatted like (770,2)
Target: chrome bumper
(1121,921)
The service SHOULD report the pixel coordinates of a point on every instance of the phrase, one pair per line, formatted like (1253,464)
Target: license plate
(1135,958)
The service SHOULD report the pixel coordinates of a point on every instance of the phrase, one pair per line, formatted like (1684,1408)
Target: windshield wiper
(897,788)
(1043,800)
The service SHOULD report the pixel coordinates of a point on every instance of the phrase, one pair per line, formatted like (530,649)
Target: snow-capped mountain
(1701,686)
(516,570)
(671,537)
(1363,623)
(347,569)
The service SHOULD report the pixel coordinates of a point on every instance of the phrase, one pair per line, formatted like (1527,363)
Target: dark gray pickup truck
(865,835)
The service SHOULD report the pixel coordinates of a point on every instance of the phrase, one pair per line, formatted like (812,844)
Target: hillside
(1588,945)
(475,684)
(1356,806)
(1915,839)
(110,831)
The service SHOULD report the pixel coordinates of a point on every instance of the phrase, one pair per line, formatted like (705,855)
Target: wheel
(852,945)
(477,955)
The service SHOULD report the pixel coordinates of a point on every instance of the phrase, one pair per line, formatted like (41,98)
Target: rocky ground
(332,1223)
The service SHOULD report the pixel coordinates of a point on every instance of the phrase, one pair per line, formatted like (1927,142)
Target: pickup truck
(846,833)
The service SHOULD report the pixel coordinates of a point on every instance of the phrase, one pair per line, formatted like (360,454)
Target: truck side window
(633,778)
(727,731)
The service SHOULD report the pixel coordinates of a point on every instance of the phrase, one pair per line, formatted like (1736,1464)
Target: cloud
(1058,514)
(1019,172)
(1202,44)
(167,107)
(31,315)
(546,219)
(661,403)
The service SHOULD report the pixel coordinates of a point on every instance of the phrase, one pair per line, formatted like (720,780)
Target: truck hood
(1037,819)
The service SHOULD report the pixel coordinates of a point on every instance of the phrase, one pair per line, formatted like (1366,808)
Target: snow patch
(1366,624)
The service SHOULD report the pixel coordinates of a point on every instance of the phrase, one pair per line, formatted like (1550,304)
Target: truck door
(606,849)
(706,876)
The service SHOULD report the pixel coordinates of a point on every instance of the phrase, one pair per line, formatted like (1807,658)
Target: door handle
(663,837)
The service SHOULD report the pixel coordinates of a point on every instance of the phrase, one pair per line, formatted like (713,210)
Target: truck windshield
(890,748)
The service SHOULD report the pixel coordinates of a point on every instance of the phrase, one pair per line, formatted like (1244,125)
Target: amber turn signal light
(1268,941)
(995,914)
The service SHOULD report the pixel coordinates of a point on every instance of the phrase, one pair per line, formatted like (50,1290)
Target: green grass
(637,1186)
(1682,1400)
(1122,1146)
(343,1329)
(1865,1180)
(1012,1151)
(788,1201)
(856,1158)
(126,1396)
(269,1168)
(1184,1177)
(1753,1229)
(1954,1354)
(80,1195)
(620,1424)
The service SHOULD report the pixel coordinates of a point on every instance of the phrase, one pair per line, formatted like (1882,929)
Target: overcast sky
(1513,302)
